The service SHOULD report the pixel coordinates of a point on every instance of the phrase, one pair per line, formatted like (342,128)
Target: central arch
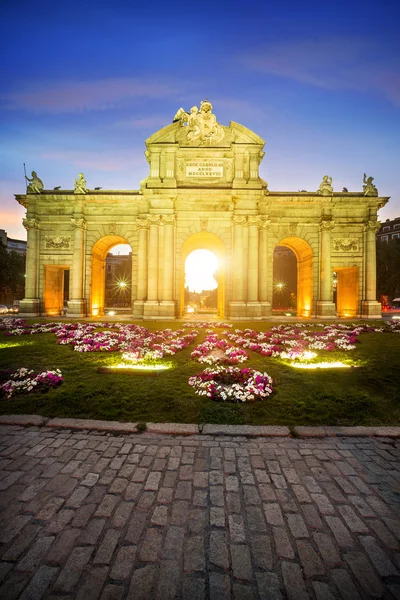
(304,255)
(99,254)
(205,241)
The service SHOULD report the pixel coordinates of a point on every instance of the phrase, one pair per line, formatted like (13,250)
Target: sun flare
(200,268)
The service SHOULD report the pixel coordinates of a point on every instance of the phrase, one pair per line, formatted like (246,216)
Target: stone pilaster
(238,306)
(253,304)
(239,180)
(77,304)
(265,302)
(325,306)
(167,306)
(151,306)
(30,305)
(155,164)
(142,258)
(170,180)
(370,308)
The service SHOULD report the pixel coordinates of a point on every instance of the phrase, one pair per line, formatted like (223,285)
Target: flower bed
(24,381)
(216,350)
(231,384)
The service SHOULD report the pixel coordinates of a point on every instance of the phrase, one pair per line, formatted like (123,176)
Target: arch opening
(201,285)
(203,275)
(293,276)
(111,276)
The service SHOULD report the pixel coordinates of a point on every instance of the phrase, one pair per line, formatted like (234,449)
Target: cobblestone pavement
(99,516)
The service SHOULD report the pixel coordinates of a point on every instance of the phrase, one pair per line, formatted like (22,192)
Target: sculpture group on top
(202,126)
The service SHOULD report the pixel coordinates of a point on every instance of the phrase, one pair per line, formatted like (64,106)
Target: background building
(389,230)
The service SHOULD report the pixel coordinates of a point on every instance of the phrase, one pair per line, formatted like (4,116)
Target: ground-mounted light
(137,369)
(322,365)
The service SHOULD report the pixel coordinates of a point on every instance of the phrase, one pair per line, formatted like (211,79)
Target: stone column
(151,306)
(253,304)
(237,305)
(167,307)
(30,305)
(77,304)
(370,308)
(170,179)
(325,306)
(142,264)
(263,268)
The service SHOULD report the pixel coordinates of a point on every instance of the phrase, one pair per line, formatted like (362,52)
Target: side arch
(97,277)
(206,241)
(304,255)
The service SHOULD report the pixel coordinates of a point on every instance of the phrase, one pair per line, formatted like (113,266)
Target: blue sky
(85,83)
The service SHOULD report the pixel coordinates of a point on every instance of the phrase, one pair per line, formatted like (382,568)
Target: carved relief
(78,223)
(112,228)
(30,223)
(346,245)
(57,242)
(292,228)
(204,224)
(201,126)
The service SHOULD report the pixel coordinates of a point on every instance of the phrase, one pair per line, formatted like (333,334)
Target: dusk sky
(83,84)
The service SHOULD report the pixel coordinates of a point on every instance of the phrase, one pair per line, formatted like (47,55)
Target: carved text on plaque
(204,169)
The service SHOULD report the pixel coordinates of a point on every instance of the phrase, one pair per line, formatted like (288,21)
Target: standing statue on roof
(325,188)
(36,184)
(80,184)
(369,188)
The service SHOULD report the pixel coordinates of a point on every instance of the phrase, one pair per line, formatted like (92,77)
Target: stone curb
(359,431)
(90,424)
(246,430)
(23,420)
(193,429)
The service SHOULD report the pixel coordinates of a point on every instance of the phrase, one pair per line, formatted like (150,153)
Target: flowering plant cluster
(208,325)
(216,350)
(24,381)
(231,384)
(293,341)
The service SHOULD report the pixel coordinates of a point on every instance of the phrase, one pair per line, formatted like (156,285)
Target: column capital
(30,223)
(169,219)
(78,223)
(142,223)
(239,219)
(326,224)
(265,222)
(254,220)
(372,226)
(154,219)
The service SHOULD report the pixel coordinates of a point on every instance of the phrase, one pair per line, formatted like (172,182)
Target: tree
(12,270)
(388,268)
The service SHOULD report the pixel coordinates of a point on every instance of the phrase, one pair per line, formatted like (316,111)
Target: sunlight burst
(200,268)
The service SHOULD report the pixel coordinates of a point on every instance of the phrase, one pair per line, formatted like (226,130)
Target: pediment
(166,135)
(244,135)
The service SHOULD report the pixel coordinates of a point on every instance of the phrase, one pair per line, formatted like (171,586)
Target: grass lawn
(366,395)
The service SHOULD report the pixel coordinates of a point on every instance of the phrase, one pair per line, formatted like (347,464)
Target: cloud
(333,64)
(78,96)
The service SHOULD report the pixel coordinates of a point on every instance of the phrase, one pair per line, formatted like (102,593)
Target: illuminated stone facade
(203,192)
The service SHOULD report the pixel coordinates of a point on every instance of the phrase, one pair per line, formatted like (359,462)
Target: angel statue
(325,188)
(80,184)
(36,184)
(369,188)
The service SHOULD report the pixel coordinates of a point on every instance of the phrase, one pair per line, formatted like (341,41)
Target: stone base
(371,309)
(138,307)
(29,307)
(266,310)
(254,311)
(326,309)
(76,308)
(151,309)
(237,310)
(167,309)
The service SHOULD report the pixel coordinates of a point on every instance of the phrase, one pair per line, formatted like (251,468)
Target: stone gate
(203,192)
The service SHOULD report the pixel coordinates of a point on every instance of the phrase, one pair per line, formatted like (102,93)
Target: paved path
(89,515)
